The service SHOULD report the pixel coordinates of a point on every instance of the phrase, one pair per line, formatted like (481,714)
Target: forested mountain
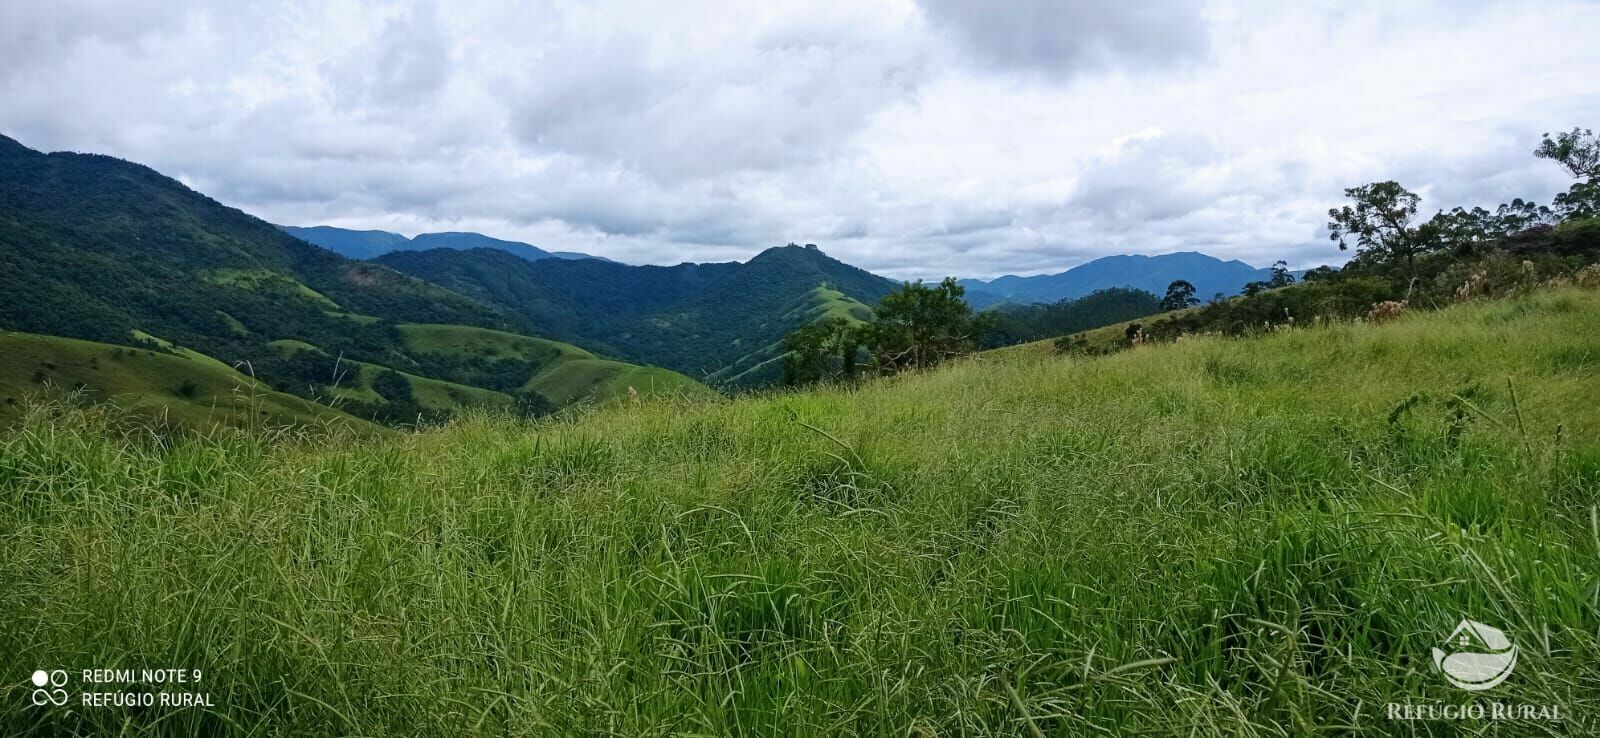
(371,244)
(105,250)
(1208,274)
(699,319)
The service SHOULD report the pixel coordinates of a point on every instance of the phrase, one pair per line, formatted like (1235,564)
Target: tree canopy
(1379,223)
(1180,294)
(1577,151)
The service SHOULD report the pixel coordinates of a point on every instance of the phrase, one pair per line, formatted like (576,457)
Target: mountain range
(369,244)
(122,282)
(126,283)
(1208,274)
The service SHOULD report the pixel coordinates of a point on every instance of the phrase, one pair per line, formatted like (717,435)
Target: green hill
(765,364)
(561,372)
(106,250)
(716,321)
(1219,536)
(186,389)
(498,371)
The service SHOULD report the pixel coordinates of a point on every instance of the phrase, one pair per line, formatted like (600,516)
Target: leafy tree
(1280,274)
(1577,151)
(1379,223)
(1180,294)
(826,349)
(918,326)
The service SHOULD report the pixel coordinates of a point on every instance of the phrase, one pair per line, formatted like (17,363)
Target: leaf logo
(1476,656)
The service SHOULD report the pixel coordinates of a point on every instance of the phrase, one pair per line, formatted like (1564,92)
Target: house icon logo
(1476,657)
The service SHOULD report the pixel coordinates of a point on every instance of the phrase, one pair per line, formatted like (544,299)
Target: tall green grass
(1216,537)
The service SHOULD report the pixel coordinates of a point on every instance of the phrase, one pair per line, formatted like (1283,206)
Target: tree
(1280,274)
(826,349)
(1180,294)
(1577,151)
(917,326)
(1380,224)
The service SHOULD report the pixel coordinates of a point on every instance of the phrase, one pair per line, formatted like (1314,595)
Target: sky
(913,138)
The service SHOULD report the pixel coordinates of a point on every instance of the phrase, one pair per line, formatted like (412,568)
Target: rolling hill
(715,321)
(100,249)
(1208,274)
(371,244)
(181,389)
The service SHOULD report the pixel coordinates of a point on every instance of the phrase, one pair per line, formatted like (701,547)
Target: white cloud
(916,139)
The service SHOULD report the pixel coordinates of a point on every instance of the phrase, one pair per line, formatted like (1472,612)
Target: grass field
(1213,537)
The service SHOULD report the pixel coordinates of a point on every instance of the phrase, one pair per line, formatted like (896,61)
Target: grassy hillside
(187,389)
(563,373)
(705,320)
(765,364)
(517,367)
(1213,537)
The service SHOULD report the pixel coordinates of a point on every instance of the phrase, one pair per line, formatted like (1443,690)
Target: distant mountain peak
(1151,273)
(370,244)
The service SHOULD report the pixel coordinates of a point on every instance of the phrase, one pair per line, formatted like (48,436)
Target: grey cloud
(405,64)
(767,105)
(1073,36)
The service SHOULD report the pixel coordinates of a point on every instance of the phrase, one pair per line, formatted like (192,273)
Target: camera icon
(48,687)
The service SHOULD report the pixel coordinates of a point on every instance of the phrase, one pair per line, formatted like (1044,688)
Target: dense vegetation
(113,252)
(699,319)
(915,326)
(1213,537)
(1014,324)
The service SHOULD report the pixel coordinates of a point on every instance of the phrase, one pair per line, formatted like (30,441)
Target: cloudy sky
(916,138)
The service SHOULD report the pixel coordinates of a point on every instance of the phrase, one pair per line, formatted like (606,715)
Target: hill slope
(705,320)
(1213,537)
(106,250)
(1208,274)
(186,389)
